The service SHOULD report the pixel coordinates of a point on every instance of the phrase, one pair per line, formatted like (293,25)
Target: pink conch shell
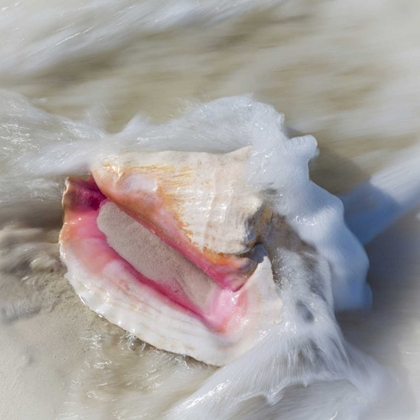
(167,245)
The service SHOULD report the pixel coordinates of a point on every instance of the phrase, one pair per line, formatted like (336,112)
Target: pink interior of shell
(185,285)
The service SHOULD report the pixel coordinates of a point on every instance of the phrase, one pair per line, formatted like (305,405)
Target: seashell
(170,246)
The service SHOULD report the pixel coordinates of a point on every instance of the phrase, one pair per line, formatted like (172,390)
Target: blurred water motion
(346,73)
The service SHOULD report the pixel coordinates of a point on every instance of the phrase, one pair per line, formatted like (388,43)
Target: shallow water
(345,73)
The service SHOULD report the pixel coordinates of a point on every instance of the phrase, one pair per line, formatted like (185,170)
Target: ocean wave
(36,37)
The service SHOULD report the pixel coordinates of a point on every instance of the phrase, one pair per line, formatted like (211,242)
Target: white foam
(374,205)
(300,352)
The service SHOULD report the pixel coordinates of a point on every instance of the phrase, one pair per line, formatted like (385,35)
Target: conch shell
(170,246)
